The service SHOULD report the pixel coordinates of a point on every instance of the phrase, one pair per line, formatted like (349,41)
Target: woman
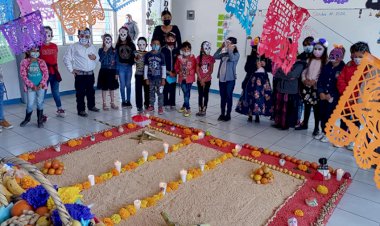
(161,30)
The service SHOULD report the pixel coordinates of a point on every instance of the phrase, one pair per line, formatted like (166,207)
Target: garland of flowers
(193,173)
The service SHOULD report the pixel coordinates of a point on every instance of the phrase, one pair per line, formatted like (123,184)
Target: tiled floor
(360,205)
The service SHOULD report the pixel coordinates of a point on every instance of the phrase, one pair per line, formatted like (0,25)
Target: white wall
(344,22)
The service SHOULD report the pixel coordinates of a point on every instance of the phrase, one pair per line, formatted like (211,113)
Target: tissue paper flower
(124,213)
(108,221)
(37,196)
(131,209)
(68,195)
(76,211)
(28,182)
(116,218)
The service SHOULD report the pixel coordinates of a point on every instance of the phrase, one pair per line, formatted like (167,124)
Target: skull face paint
(123,34)
(49,35)
(141,44)
(207,48)
(107,42)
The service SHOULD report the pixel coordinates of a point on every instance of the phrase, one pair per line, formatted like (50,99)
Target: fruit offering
(219,142)
(256,154)
(54,167)
(262,175)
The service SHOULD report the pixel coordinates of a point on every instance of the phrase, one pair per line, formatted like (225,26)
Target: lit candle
(163,186)
(145,155)
(57,148)
(118,166)
(137,204)
(202,164)
(339,174)
(91,178)
(183,174)
(201,135)
(166,147)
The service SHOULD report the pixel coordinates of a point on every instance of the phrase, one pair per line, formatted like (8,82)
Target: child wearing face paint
(107,79)
(140,84)
(155,75)
(310,78)
(34,72)
(327,88)
(205,67)
(125,49)
(170,52)
(161,31)
(185,67)
(357,53)
(49,53)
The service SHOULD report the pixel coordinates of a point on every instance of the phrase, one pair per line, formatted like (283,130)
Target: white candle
(145,155)
(202,164)
(91,178)
(118,166)
(339,174)
(57,148)
(282,162)
(137,204)
(183,174)
(166,147)
(92,138)
(201,135)
(163,186)
(172,128)
(237,147)
(120,129)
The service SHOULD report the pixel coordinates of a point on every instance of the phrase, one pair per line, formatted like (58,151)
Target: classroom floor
(360,205)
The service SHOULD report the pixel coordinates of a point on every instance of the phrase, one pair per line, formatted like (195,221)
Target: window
(105,26)
(55,25)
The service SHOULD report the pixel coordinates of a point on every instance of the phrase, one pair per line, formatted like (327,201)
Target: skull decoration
(141,44)
(49,35)
(107,41)
(123,33)
(207,47)
(292,221)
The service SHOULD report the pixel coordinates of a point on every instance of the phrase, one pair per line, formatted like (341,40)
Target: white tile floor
(360,206)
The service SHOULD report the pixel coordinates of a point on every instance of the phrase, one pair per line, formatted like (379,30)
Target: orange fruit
(19,207)
(58,172)
(51,171)
(42,210)
(260,172)
(47,165)
(264,180)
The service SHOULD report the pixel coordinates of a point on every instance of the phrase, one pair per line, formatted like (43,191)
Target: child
(3,123)
(205,67)
(107,80)
(155,75)
(34,73)
(125,49)
(327,88)
(170,52)
(229,56)
(255,99)
(49,53)
(139,76)
(185,67)
(309,79)
(357,53)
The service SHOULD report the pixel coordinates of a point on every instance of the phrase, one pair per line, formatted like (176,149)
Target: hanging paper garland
(245,12)
(29,6)
(336,1)
(76,15)
(25,7)
(149,11)
(24,33)
(5,53)
(116,5)
(284,20)
(6,11)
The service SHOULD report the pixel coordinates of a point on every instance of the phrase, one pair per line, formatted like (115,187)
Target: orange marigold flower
(115,172)
(124,213)
(256,154)
(173,185)
(302,167)
(108,222)
(98,180)
(86,185)
(131,209)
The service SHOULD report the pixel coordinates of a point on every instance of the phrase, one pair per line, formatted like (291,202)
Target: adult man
(133,30)
(80,60)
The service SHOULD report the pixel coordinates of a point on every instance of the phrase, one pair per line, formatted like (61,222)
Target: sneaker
(124,104)
(227,118)
(337,146)
(140,110)
(316,133)
(301,127)
(182,109)
(221,118)
(150,109)
(61,113)
(160,110)
(324,139)
(187,113)
(6,125)
(94,109)
(318,136)
(350,147)
(82,114)
(128,104)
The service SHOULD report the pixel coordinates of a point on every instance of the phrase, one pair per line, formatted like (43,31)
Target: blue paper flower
(37,196)
(78,212)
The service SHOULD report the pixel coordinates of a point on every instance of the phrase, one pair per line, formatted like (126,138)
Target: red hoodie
(345,76)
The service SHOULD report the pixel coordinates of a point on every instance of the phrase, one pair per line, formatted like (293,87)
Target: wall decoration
(335,1)
(76,15)
(359,104)
(373,4)
(116,5)
(6,11)
(245,12)
(5,53)
(24,33)
(29,6)
(149,11)
(224,23)
(284,20)
(25,7)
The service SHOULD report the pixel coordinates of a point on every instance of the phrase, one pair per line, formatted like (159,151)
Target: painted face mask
(357,60)
(207,48)
(336,55)
(141,45)
(49,35)
(35,54)
(156,47)
(108,42)
(308,49)
(318,51)
(123,34)
(84,37)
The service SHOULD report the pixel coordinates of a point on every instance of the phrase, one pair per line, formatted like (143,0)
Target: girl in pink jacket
(35,74)
(185,67)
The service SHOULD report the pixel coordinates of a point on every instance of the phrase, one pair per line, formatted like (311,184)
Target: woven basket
(37,175)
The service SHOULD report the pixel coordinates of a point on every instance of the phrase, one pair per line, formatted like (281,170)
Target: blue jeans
(54,84)
(32,97)
(226,90)
(2,91)
(125,76)
(186,89)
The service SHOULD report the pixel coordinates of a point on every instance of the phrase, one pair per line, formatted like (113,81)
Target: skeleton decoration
(141,44)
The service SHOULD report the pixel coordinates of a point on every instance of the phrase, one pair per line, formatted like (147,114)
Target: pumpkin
(256,154)
(19,207)
(298,213)
(131,126)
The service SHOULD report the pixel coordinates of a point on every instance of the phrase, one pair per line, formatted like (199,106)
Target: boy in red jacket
(357,52)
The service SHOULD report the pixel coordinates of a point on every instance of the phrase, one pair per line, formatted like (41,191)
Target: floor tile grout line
(357,215)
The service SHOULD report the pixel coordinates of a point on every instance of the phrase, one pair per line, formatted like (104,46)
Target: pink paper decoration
(284,20)
(24,33)
(75,14)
